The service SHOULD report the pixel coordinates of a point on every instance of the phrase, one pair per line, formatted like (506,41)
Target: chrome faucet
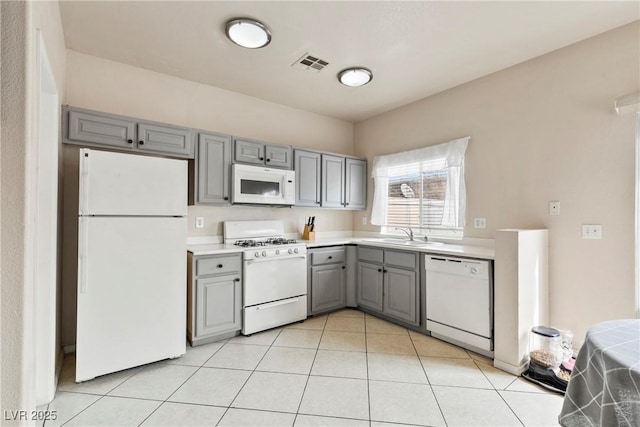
(409,233)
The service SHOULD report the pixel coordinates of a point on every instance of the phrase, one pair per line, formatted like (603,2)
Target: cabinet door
(172,140)
(100,128)
(401,294)
(218,304)
(278,157)
(327,287)
(332,181)
(356,184)
(214,165)
(370,285)
(307,168)
(248,152)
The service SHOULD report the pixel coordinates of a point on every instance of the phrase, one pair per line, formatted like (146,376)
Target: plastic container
(545,347)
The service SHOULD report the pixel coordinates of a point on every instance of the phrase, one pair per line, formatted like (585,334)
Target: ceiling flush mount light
(249,33)
(355,77)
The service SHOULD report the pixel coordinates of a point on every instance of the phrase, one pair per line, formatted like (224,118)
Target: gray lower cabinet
(214,297)
(307,167)
(95,128)
(327,287)
(210,172)
(388,282)
(259,153)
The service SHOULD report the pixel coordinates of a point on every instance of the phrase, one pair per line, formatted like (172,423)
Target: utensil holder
(308,235)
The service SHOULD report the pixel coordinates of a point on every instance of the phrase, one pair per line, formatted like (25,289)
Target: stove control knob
(290,251)
(264,253)
(277,251)
(257,254)
(295,250)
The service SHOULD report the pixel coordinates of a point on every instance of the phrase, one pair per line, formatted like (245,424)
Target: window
(423,189)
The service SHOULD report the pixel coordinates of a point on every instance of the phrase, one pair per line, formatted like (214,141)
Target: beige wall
(540,131)
(20,20)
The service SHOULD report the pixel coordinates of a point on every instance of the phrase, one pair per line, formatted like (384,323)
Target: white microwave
(262,186)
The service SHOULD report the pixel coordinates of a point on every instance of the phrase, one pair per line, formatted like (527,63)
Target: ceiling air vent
(310,63)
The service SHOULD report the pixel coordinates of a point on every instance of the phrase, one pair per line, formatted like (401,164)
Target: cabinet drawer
(370,254)
(218,265)
(400,259)
(327,256)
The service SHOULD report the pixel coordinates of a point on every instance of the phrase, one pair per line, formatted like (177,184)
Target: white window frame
(451,154)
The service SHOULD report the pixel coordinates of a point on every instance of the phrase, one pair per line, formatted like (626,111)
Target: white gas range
(274,270)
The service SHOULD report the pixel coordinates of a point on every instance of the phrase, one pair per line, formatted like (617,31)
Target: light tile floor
(342,369)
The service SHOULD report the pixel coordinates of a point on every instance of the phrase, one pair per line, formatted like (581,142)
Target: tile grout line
(183,383)
(249,377)
(366,359)
(304,390)
(429,382)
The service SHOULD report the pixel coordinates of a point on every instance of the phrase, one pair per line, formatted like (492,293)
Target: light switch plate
(199,222)
(592,231)
(554,208)
(479,223)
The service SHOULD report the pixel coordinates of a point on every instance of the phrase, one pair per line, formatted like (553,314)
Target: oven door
(263,186)
(271,279)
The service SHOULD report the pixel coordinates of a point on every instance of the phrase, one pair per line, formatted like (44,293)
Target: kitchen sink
(402,242)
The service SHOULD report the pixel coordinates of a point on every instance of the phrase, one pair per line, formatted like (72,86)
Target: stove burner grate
(249,243)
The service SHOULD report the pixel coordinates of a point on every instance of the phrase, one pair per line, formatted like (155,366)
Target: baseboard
(507,367)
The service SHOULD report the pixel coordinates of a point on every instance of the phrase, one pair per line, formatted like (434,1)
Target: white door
(131,293)
(129,184)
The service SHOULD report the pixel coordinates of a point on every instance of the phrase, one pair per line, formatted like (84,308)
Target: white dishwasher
(459,301)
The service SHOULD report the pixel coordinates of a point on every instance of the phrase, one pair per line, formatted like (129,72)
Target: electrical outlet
(364,220)
(554,208)
(592,231)
(479,223)
(199,222)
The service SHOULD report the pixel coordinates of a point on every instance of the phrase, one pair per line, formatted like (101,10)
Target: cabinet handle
(329,257)
(346,204)
(261,158)
(343,267)
(384,271)
(237,279)
(226,198)
(141,142)
(268,160)
(379,270)
(219,265)
(130,141)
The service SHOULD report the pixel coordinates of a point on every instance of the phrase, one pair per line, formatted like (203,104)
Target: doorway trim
(46,213)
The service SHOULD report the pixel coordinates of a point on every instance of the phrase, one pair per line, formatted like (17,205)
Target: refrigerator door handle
(84,181)
(83,265)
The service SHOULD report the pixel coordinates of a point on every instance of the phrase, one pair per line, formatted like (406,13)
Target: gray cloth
(604,389)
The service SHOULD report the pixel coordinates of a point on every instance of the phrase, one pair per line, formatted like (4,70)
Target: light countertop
(463,250)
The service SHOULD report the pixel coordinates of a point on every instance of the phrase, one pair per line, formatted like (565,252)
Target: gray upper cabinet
(101,129)
(332,181)
(95,128)
(210,174)
(307,167)
(169,140)
(356,184)
(259,153)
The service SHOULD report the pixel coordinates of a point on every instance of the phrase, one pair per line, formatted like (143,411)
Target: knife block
(308,235)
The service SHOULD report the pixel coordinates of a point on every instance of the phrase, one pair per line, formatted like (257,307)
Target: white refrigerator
(132,232)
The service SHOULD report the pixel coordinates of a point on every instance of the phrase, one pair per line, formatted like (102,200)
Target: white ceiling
(415,49)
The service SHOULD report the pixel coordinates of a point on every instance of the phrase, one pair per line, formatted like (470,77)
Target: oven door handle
(277,303)
(250,261)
